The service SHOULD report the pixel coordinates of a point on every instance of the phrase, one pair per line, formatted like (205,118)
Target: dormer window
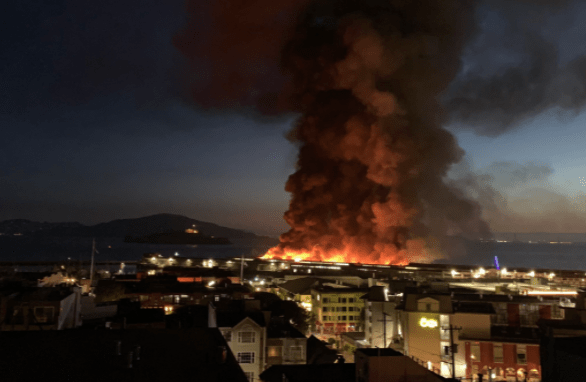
(428,305)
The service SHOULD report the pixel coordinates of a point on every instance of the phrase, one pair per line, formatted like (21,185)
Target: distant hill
(143,226)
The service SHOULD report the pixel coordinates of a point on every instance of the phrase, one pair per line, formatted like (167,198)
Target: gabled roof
(229,319)
(319,353)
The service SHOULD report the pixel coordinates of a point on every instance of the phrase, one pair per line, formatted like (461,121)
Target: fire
(414,251)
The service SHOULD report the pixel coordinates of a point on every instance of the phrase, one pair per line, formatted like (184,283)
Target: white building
(245,332)
(382,325)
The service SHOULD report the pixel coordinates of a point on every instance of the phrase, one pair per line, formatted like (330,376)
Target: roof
(474,307)
(42,294)
(338,372)
(379,352)
(283,330)
(229,319)
(319,353)
(175,355)
(356,336)
(341,290)
(301,285)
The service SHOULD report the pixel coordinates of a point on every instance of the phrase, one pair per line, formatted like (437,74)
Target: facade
(286,348)
(337,310)
(494,335)
(50,308)
(246,335)
(382,324)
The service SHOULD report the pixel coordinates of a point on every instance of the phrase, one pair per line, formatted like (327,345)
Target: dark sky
(95,125)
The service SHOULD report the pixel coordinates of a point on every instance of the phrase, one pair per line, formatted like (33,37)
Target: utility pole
(92,265)
(242,270)
(453,347)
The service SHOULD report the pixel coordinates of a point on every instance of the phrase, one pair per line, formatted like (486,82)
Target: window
(44,314)
(325,308)
(296,352)
(341,309)
(427,305)
(247,337)
(497,353)
(521,354)
(227,335)
(249,375)
(351,299)
(326,300)
(342,299)
(342,318)
(444,322)
(275,351)
(557,312)
(246,357)
(445,350)
(475,352)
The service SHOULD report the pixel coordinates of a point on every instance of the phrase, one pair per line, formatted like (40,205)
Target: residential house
(244,329)
(285,344)
(41,308)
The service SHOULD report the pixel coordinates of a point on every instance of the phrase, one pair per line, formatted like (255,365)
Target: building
(388,365)
(337,309)
(334,372)
(382,324)
(123,356)
(44,308)
(244,329)
(285,344)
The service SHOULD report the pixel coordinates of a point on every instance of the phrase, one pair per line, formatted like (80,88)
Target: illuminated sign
(428,322)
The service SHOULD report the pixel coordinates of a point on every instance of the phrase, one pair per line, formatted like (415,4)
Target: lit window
(475,352)
(275,351)
(521,354)
(44,314)
(246,337)
(497,353)
(246,357)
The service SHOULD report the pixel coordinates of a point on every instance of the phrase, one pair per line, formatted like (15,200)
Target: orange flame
(386,255)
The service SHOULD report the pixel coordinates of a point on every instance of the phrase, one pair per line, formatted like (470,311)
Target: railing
(424,364)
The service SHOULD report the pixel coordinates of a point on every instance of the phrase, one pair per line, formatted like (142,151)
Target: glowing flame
(389,255)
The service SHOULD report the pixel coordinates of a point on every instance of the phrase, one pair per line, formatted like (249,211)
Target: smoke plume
(494,95)
(366,77)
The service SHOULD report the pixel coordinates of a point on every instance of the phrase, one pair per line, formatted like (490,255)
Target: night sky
(96,125)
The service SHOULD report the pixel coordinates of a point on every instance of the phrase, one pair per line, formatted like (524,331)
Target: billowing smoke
(374,82)
(366,77)
(518,71)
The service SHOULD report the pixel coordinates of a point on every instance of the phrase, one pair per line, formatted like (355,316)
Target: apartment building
(337,309)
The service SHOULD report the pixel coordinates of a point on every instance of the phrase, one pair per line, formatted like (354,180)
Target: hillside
(143,226)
